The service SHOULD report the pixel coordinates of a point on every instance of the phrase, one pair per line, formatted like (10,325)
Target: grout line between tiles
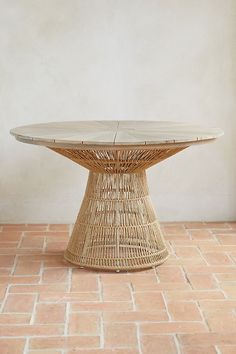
(5,299)
(32,320)
(179,351)
(26,348)
(138,337)
(102,339)
(67,319)
(130,286)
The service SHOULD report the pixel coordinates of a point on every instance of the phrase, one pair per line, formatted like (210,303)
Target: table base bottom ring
(116,228)
(114,264)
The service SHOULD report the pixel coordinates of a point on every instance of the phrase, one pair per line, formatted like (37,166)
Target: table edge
(103,146)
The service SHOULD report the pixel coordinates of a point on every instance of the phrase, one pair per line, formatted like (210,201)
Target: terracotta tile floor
(187,305)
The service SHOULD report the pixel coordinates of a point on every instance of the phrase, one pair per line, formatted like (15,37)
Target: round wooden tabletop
(110,133)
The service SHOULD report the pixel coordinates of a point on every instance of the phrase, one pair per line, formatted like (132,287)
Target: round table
(116,228)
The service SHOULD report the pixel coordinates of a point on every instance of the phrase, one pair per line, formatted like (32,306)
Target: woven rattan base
(116,228)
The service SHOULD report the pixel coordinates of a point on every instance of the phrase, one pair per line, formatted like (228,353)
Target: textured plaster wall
(117,59)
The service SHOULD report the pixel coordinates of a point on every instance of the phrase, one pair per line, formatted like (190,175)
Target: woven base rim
(75,259)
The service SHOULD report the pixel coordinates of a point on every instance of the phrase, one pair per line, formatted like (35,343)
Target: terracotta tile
(24,227)
(177,237)
(6,245)
(6,261)
(160,286)
(227,239)
(59,238)
(187,252)
(207,339)
(194,295)
(198,243)
(216,225)
(116,292)
(232,224)
(3,289)
(210,269)
(27,268)
(197,261)
(19,251)
(229,289)
(202,281)
(225,277)
(214,258)
(50,313)
(12,345)
(38,288)
(41,257)
(206,225)
(135,316)
(55,246)
(170,274)
(44,352)
(114,278)
(46,233)
(227,349)
(195,225)
(223,231)
(120,335)
(19,303)
(173,327)
(30,330)
(218,305)
(19,280)
(144,272)
(71,297)
(58,227)
(149,301)
(55,263)
(139,278)
(164,343)
(173,229)
(221,322)
(170,223)
(81,282)
(233,256)
(31,242)
(104,351)
(9,236)
(102,306)
(10,226)
(15,318)
(201,234)
(199,350)
(184,311)
(84,323)
(5,271)
(56,275)
(68,342)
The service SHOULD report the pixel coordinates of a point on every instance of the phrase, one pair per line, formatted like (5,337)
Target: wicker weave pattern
(118,160)
(116,228)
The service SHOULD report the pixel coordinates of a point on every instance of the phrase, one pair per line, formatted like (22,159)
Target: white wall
(117,59)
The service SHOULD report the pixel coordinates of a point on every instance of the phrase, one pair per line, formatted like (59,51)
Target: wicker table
(116,228)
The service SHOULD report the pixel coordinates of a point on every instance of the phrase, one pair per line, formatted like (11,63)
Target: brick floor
(185,306)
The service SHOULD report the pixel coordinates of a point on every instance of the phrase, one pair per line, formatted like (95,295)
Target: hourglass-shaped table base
(116,228)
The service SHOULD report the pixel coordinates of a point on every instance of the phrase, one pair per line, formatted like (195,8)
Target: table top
(76,133)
